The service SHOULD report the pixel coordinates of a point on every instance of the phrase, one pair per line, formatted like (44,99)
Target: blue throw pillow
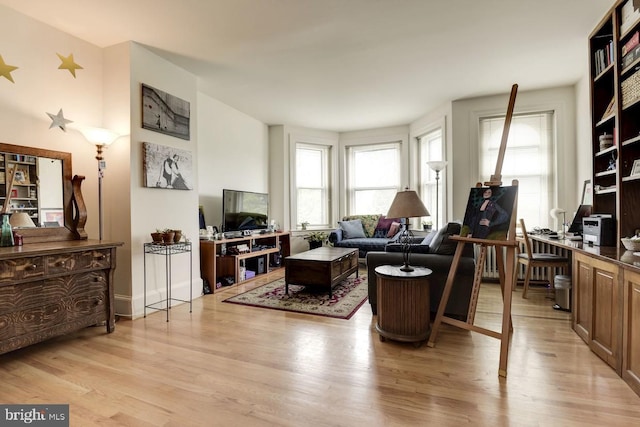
(428,238)
(352,229)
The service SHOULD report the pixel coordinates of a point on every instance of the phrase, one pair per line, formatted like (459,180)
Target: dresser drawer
(21,268)
(33,294)
(62,263)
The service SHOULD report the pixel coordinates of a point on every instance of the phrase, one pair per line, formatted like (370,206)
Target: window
(430,149)
(373,176)
(312,184)
(528,158)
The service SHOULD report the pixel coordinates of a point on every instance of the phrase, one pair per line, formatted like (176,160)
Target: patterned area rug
(347,298)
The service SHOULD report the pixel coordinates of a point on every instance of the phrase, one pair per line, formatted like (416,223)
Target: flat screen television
(244,210)
(576,224)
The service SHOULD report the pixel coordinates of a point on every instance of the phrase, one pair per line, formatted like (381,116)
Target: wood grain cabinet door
(582,291)
(631,330)
(597,316)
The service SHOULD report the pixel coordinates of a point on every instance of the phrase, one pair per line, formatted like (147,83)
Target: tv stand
(219,260)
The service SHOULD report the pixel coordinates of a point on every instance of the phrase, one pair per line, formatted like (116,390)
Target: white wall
(153,208)
(233,153)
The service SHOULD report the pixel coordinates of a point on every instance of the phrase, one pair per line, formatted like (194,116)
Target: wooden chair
(531,260)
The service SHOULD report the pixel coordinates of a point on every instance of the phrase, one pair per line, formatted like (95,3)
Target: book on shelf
(631,43)
(629,14)
(603,58)
(631,56)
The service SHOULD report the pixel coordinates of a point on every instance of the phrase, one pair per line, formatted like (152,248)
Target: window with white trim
(312,185)
(373,177)
(528,158)
(431,149)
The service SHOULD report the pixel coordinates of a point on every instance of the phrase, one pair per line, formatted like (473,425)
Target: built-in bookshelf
(614,49)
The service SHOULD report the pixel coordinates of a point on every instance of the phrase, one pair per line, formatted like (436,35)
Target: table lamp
(406,204)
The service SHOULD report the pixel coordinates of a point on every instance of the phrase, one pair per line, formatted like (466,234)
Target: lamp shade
(99,136)
(407,204)
(556,212)
(437,165)
(21,220)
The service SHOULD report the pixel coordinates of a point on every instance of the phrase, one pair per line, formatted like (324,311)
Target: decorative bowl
(631,244)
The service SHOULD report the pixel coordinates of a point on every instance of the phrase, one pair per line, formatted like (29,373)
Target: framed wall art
(167,167)
(165,113)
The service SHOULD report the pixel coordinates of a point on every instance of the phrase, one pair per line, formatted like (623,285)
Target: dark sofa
(437,254)
(375,234)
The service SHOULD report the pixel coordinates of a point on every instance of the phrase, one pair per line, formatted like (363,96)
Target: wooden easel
(506,277)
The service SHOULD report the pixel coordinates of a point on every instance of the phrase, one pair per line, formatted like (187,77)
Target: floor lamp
(437,166)
(100,138)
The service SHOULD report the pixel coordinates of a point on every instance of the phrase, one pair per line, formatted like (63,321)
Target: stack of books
(631,50)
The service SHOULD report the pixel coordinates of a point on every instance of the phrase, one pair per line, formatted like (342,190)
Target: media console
(224,258)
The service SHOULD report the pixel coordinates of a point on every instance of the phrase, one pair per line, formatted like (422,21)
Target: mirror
(44,189)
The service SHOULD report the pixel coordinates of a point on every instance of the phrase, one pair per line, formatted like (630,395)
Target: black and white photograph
(165,113)
(167,167)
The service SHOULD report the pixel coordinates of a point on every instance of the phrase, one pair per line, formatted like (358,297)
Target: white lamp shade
(21,220)
(99,136)
(437,165)
(556,212)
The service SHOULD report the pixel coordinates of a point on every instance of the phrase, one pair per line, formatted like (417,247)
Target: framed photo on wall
(165,113)
(167,167)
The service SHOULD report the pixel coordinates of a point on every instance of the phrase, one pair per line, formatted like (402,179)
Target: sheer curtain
(528,158)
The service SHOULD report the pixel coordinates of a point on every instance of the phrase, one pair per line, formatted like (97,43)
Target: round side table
(403,304)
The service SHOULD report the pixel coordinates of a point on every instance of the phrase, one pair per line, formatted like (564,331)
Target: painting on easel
(488,213)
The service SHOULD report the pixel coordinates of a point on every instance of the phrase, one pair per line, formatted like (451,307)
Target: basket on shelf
(631,244)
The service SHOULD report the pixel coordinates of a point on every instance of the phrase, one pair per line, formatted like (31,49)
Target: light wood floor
(231,365)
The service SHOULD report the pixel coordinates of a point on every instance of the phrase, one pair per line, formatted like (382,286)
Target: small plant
(304,225)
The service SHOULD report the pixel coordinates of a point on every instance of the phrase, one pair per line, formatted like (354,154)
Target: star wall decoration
(59,120)
(68,64)
(5,70)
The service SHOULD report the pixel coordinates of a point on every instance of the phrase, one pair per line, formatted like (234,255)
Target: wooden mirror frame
(75,212)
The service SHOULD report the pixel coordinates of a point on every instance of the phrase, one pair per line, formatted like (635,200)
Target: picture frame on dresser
(635,170)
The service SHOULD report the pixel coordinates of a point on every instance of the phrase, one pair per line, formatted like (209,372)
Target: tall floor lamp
(100,138)
(406,204)
(437,166)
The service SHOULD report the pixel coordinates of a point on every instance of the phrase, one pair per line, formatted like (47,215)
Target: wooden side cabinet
(631,330)
(597,317)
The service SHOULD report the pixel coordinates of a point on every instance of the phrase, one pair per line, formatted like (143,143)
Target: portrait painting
(167,167)
(165,113)
(488,213)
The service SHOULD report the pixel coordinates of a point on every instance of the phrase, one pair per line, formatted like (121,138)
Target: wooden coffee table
(323,267)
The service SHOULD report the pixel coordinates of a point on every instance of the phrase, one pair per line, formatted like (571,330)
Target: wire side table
(168,250)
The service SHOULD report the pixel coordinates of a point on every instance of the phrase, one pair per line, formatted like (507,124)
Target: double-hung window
(313,171)
(431,149)
(373,177)
(528,158)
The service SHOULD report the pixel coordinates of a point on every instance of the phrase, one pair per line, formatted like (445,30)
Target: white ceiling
(344,65)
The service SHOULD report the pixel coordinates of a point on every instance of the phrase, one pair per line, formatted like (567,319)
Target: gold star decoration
(68,64)
(59,120)
(5,70)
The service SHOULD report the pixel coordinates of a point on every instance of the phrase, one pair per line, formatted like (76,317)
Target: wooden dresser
(49,289)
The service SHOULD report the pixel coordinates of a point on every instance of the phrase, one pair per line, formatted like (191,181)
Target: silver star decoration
(59,120)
